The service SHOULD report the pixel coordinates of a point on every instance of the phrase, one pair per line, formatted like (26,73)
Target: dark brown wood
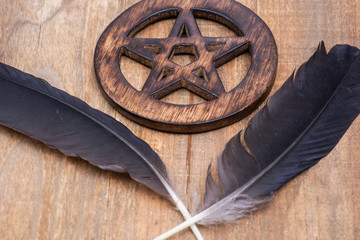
(199,76)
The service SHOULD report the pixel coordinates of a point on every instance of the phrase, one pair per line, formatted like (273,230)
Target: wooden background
(45,195)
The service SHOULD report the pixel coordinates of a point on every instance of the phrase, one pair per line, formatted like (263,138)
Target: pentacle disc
(200,75)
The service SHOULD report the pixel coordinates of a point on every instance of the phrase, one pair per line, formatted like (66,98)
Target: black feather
(300,124)
(31,106)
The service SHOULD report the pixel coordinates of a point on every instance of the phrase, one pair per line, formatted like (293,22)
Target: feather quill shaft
(300,124)
(31,106)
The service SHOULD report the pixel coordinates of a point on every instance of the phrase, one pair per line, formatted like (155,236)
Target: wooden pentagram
(200,76)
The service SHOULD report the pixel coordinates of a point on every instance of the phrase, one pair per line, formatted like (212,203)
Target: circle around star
(199,76)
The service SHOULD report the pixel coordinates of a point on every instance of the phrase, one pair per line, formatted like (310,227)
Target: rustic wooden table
(45,195)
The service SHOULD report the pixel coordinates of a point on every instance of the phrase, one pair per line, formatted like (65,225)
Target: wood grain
(44,195)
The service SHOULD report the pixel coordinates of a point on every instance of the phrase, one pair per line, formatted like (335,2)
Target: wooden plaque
(200,76)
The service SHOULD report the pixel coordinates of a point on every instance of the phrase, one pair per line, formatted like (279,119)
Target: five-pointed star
(199,76)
